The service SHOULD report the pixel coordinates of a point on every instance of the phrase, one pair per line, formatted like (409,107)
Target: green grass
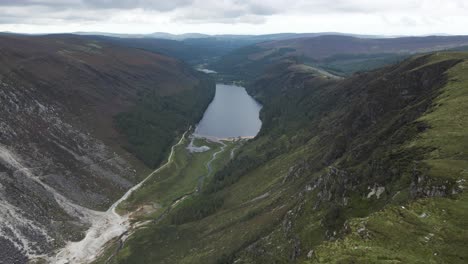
(427,231)
(245,216)
(430,230)
(174,181)
(179,178)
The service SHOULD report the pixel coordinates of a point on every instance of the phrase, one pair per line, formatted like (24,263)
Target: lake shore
(219,139)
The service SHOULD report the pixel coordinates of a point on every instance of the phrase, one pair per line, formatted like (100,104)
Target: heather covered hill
(326,46)
(341,55)
(196,48)
(70,121)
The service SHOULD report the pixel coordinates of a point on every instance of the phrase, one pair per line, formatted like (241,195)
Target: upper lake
(232,113)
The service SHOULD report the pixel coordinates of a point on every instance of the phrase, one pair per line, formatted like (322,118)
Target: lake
(232,113)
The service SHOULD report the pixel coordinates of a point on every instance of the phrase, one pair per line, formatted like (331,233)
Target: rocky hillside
(367,169)
(68,119)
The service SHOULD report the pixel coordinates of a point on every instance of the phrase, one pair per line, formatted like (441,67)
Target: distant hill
(158,35)
(261,37)
(339,54)
(325,46)
(195,48)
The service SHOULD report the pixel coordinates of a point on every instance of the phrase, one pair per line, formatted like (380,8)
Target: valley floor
(192,161)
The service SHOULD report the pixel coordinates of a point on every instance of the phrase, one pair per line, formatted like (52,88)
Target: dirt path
(105,226)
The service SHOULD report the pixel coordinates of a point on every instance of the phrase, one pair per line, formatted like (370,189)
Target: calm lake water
(232,113)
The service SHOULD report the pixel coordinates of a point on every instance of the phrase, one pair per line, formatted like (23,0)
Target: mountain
(195,48)
(157,35)
(164,35)
(341,55)
(259,38)
(365,169)
(73,114)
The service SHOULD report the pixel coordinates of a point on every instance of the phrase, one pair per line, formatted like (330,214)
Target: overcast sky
(386,17)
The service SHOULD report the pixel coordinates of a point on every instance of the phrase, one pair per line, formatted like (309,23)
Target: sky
(376,17)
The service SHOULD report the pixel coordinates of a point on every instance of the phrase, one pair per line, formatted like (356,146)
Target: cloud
(233,11)
(99,4)
(158,5)
(248,14)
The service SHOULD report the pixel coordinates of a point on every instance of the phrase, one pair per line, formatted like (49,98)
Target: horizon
(236,17)
(148,34)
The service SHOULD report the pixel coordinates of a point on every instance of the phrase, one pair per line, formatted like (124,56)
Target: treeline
(151,126)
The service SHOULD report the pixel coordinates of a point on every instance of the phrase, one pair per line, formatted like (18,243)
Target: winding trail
(105,226)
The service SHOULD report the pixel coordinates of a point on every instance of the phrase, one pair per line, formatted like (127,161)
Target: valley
(326,189)
(191,154)
(293,149)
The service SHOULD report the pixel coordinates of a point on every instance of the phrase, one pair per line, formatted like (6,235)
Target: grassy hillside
(361,170)
(166,197)
(432,229)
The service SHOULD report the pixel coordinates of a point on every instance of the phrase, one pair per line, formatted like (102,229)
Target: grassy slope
(174,181)
(431,230)
(204,241)
(157,196)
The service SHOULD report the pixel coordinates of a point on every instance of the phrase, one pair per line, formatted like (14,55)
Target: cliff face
(62,156)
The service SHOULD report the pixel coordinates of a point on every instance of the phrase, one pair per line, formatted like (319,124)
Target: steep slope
(432,229)
(338,166)
(62,152)
(342,55)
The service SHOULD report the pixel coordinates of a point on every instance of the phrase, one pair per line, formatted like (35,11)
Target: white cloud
(236,16)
